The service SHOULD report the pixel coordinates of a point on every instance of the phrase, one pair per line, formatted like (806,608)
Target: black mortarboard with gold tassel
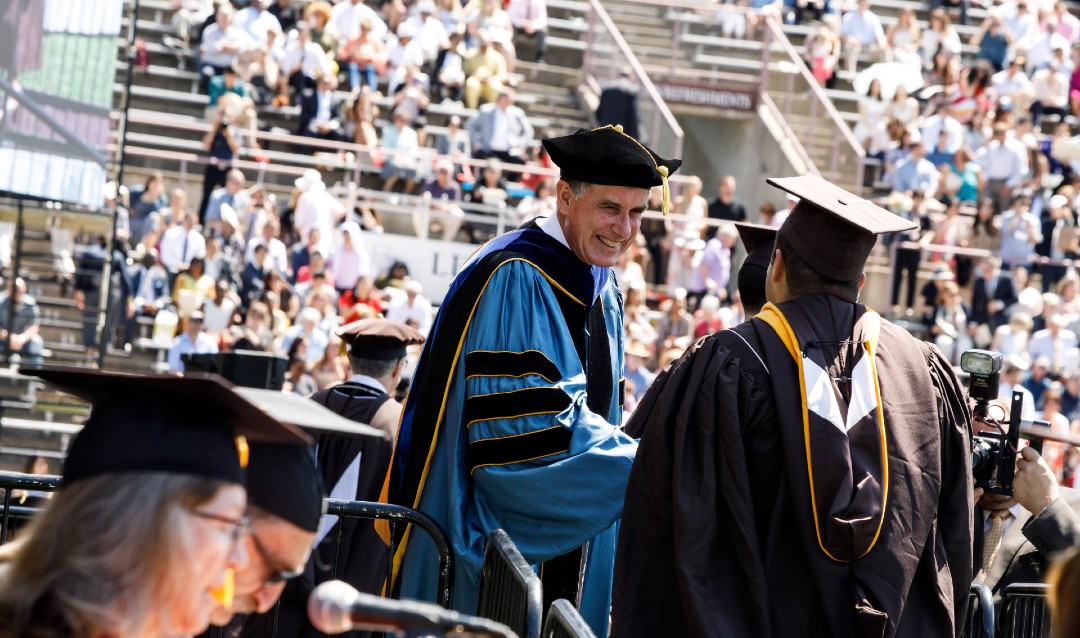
(608,156)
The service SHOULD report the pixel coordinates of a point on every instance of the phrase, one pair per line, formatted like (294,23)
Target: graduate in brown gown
(806,473)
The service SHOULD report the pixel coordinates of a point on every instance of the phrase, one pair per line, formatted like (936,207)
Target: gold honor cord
(772,315)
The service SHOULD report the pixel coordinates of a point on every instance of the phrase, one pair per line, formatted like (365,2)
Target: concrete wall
(742,146)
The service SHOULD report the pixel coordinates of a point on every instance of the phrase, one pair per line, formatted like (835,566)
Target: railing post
(590,40)
(676,43)
(766,54)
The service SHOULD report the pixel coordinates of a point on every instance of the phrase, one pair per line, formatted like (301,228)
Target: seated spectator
(485,72)
(448,78)
(318,264)
(149,293)
(400,145)
(257,22)
(255,333)
(361,302)
(192,341)
(297,379)
(411,97)
(455,144)
(300,255)
(318,14)
(915,173)
(262,73)
(319,281)
(529,18)
(277,256)
(228,82)
(222,44)
(1037,381)
(347,16)
(1004,162)
(287,15)
(861,30)
(1012,338)
(1021,231)
(191,288)
(635,370)
(491,187)
(350,259)
(676,325)
(365,57)
(251,281)
(222,147)
(146,202)
(904,38)
(1050,87)
(1020,23)
(870,129)
(540,204)
(330,370)
(942,120)
(430,32)
(940,35)
(360,114)
(993,41)
(500,130)
(319,112)
(949,324)
(220,309)
(21,336)
(326,303)
(1055,343)
(413,309)
(305,62)
(402,54)
(443,195)
(1013,83)
(316,208)
(180,245)
(307,327)
(189,18)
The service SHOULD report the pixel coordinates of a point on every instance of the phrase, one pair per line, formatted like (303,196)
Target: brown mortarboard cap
(759,241)
(832,230)
(379,338)
(195,425)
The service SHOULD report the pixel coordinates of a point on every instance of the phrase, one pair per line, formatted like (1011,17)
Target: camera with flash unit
(993,453)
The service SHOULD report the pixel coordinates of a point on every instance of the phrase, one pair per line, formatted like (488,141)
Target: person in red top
(364,296)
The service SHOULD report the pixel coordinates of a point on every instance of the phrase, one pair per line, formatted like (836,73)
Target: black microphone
(335,607)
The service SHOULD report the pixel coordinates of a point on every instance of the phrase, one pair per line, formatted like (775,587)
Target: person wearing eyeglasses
(143,537)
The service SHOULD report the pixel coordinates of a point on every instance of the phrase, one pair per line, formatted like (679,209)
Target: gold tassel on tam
(242,450)
(663,170)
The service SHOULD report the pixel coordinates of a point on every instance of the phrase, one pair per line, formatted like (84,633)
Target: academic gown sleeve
(957,499)
(544,467)
(688,560)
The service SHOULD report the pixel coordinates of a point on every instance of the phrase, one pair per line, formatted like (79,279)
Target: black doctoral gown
(361,558)
(718,535)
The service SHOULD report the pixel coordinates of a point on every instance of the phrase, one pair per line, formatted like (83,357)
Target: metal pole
(20,228)
(106,268)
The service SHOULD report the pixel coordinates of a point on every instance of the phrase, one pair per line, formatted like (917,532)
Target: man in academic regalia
(806,473)
(515,408)
(353,467)
(758,241)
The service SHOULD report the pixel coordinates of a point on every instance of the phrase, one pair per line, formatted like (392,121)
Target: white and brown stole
(841,444)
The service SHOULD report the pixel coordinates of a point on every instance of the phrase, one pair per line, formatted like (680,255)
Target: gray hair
(577,187)
(374,368)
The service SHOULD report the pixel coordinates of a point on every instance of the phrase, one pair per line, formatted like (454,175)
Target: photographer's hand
(1035,485)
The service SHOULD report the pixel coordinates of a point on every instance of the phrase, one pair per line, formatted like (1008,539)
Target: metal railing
(980,613)
(1024,612)
(563,621)
(606,53)
(510,591)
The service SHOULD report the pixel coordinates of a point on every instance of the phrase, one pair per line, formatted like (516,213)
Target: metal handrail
(780,39)
(790,139)
(643,77)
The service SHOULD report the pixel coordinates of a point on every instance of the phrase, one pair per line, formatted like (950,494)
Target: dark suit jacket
(159,285)
(1003,290)
(309,109)
(1031,543)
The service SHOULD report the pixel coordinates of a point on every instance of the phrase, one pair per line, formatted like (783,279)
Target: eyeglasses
(239,525)
(277,575)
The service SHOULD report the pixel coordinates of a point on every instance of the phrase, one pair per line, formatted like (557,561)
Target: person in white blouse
(414,309)
(346,16)
(316,208)
(350,260)
(180,244)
